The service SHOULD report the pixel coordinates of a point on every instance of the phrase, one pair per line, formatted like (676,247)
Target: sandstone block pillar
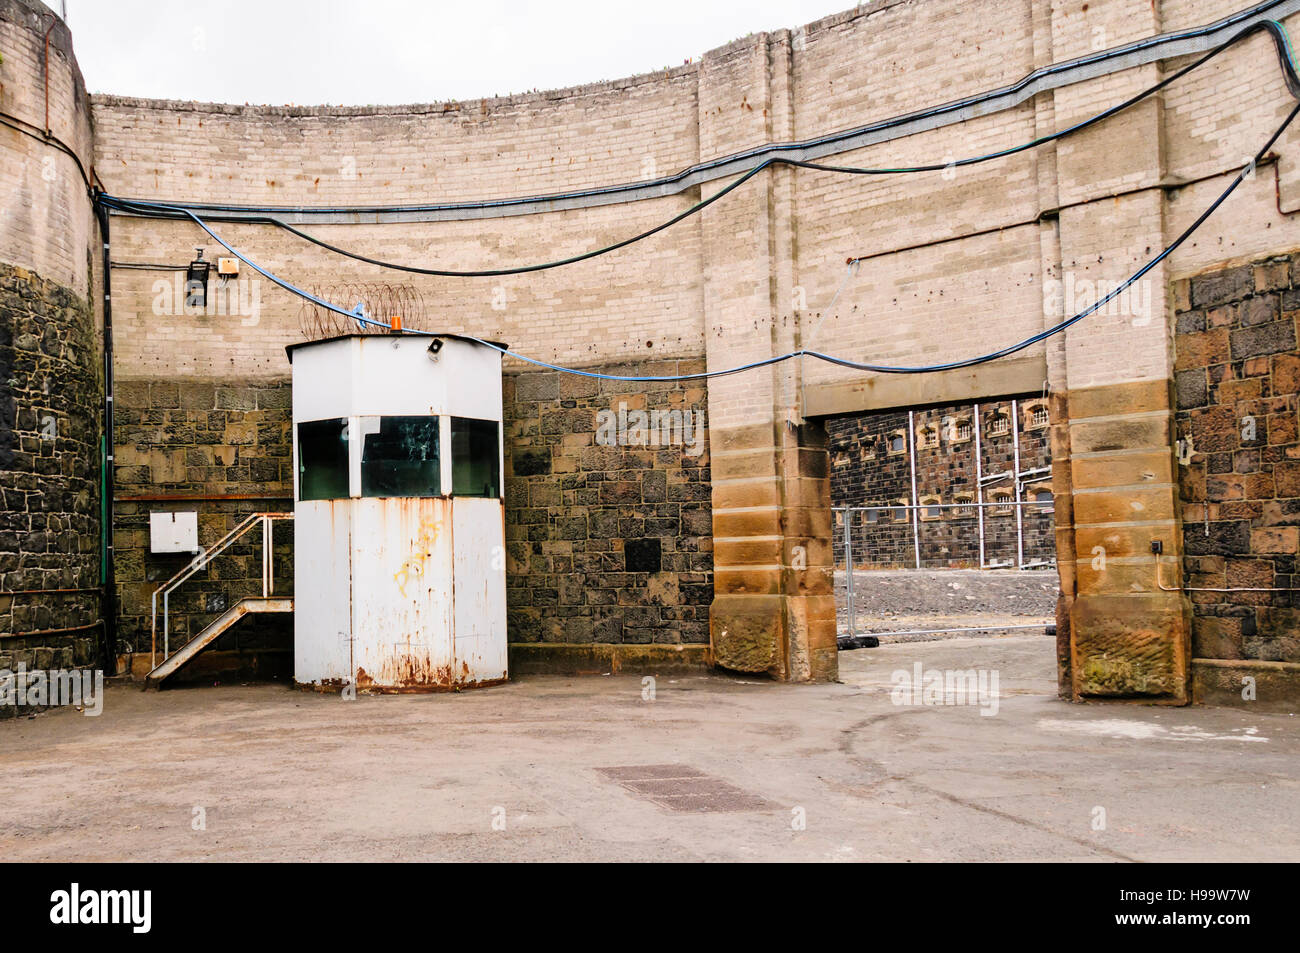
(773,609)
(1126,637)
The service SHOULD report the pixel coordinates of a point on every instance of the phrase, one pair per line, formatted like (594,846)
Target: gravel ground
(906,599)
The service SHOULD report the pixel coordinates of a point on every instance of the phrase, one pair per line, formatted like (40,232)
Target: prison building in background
(967,486)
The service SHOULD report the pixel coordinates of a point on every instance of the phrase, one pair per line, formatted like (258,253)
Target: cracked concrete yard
(714,768)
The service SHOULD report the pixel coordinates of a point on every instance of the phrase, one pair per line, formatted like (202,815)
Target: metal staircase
(172,662)
(210,633)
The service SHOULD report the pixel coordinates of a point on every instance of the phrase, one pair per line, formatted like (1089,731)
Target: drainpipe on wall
(1015,468)
(54,21)
(916,515)
(979,479)
(108,574)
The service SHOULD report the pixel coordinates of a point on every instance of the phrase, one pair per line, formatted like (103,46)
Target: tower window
(475,457)
(323,459)
(399,457)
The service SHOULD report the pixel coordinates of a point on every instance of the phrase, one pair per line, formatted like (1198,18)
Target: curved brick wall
(46,222)
(50,393)
(955,263)
(967,241)
(49,473)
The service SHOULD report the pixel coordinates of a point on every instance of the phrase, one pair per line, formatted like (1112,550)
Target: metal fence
(1006,534)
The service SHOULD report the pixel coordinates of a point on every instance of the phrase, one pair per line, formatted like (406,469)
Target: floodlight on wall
(196,282)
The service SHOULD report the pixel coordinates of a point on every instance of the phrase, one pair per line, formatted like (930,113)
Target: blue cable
(1281,39)
(968,362)
(359,316)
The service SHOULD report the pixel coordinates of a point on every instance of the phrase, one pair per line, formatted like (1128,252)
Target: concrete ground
(713,768)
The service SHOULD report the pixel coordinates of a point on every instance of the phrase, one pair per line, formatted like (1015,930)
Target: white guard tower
(399,539)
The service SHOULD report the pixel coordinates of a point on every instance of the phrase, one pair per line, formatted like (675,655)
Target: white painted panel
(480,586)
(322,381)
(174,532)
(322,592)
(397,377)
(401,593)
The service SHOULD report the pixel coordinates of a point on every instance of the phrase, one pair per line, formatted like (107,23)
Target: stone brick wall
(49,475)
(46,220)
(957,264)
(1238,396)
(221,449)
(952,255)
(606,543)
(50,394)
(864,472)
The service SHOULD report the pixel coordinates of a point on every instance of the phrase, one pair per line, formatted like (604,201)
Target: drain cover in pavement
(684,790)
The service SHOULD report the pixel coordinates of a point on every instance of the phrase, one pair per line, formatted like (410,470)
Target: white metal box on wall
(399,540)
(174,532)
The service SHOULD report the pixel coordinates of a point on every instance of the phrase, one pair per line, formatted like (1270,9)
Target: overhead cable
(359,316)
(1278,32)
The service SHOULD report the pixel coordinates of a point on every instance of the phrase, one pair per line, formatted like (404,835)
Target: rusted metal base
(335,686)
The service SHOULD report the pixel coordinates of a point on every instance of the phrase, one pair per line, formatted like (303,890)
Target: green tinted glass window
(399,457)
(475,457)
(323,460)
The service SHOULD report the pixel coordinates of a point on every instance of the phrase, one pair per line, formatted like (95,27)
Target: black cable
(18,125)
(170,210)
(361,318)
(1056,329)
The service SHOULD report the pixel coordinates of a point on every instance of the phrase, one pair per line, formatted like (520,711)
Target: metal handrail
(201,561)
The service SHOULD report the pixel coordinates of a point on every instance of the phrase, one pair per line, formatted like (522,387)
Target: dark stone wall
(865,473)
(605,544)
(50,398)
(1237,377)
(221,449)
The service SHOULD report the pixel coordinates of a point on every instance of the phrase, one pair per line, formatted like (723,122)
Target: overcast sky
(355,52)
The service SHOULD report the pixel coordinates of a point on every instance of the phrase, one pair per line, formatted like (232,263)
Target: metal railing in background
(266,521)
(914,518)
